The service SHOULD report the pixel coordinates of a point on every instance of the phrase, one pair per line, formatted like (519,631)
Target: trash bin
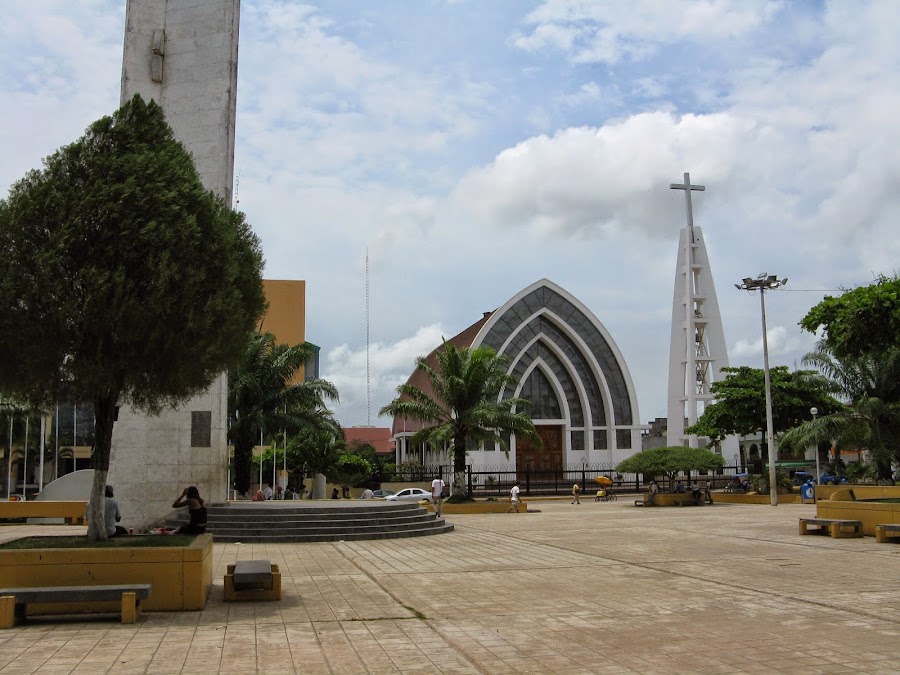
(807,493)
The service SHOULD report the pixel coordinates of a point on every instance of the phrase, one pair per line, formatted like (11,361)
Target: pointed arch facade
(570,369)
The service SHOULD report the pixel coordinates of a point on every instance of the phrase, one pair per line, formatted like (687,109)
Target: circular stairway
(310,521)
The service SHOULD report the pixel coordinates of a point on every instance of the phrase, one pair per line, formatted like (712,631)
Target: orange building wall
(285,317)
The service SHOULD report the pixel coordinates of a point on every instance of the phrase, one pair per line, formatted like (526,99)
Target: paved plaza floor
(589,588)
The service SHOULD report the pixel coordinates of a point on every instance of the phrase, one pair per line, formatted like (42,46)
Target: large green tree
(464,404)
(670,461)
(870,385)
(740,405)
(123,279)
(861,321)
(262,396)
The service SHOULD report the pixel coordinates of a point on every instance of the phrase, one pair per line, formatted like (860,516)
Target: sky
(462,150)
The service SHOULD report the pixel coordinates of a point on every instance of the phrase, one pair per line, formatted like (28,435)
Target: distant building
(654,435)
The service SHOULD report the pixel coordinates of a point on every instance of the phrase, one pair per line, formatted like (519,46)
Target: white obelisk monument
(183,55)
(697,351)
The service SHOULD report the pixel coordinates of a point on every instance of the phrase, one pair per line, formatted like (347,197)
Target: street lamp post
(762,283)
(815,411)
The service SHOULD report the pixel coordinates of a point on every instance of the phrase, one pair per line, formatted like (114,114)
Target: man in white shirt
(437,495)
(267,493)
(514,498)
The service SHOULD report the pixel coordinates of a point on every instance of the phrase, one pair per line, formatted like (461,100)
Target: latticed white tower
(697,351)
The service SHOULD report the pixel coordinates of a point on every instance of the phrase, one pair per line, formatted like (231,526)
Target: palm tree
(464,404)
(870,385)
(261,396)
(318,451)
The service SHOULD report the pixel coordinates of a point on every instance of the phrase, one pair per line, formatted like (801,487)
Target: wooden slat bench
(252,580)
(831,526)
(885,531)
(14,601)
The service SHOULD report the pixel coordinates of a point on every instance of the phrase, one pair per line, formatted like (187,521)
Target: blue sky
(473,148)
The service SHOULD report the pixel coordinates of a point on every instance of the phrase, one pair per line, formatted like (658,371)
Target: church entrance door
(535,459)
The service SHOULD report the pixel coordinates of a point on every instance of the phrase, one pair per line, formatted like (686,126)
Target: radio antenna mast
(368,383)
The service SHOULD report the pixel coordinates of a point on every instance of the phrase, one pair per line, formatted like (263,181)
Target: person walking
(437,495)
(575,491)
(514,498)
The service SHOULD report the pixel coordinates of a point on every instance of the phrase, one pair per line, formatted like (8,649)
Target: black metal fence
(486,482)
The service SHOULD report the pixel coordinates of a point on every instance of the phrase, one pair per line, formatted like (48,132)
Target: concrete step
(344,536)
(274,521)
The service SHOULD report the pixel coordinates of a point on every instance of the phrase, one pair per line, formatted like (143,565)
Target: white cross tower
(697,351)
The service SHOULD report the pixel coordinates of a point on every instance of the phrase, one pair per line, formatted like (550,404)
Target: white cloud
(390,365)
(587,92)
(782,341)
(60,71)
(591,32)
(591,181)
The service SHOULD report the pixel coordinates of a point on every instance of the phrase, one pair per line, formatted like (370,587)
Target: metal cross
(687,187)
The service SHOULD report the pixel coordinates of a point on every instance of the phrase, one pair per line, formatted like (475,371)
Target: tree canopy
(670,460)
(860,321)
(123,279)
(740,405)
(871,386)
(464,404)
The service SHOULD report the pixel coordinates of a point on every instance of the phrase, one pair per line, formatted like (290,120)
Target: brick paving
(589,588)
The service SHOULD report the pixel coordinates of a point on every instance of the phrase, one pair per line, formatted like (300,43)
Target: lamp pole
(815,411)
(762,283)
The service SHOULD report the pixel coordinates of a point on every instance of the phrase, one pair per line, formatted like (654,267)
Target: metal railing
(496,481)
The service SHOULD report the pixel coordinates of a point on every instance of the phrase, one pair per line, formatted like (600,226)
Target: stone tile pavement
(590,588)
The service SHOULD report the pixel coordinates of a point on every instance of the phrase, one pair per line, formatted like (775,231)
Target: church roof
(419,379)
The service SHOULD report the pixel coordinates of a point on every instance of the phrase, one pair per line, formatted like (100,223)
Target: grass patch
(458,499)
(134,541)
(419,615)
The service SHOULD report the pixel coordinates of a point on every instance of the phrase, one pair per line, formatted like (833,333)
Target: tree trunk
(243,462)
(459,467)
(104,419)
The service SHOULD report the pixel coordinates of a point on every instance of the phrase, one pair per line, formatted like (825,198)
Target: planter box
(870,513)
(181,576)
(478,507)
(752,498)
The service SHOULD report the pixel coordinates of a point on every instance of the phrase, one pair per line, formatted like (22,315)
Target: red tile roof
(378,437)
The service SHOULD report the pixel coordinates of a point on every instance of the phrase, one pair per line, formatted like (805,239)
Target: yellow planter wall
(181,576)
(478,507)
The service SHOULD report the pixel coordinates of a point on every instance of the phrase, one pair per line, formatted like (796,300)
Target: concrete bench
(886,530)
(688,500)
(14,601)
(252,580)
(73,513)
(831,526)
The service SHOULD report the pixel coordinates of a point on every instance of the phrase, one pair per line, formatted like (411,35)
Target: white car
(409,495)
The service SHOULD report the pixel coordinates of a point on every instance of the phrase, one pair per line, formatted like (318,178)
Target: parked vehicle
(831,479)
(383,493)
(410,495)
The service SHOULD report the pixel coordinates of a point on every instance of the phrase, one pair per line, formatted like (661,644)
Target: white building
(583,401)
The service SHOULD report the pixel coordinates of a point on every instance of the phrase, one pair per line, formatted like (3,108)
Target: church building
(568,366)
